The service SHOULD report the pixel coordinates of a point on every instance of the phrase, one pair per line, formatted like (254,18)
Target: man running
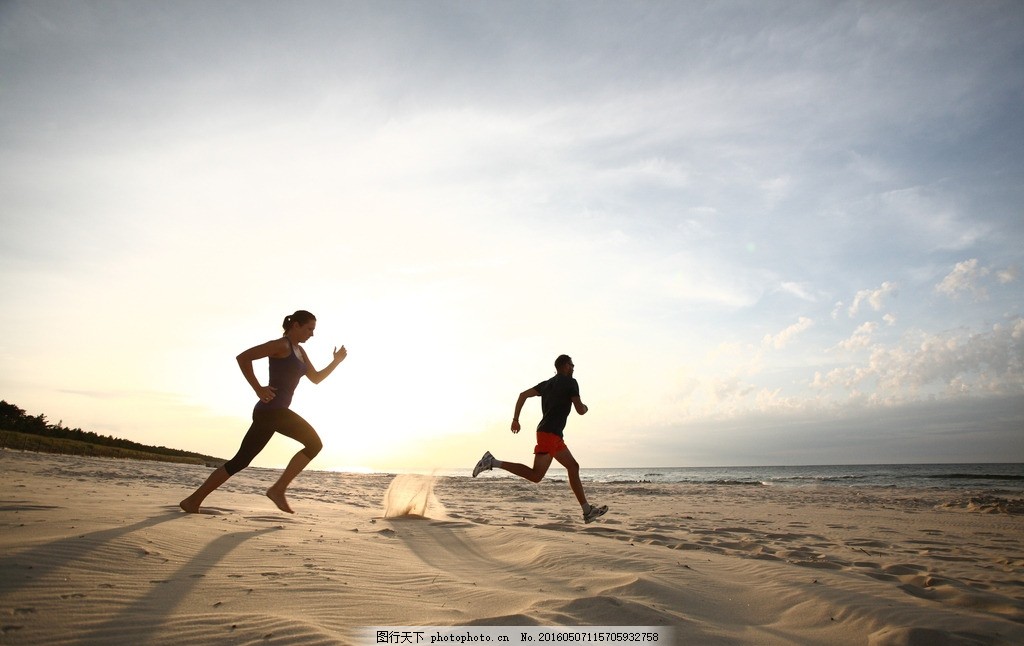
(558,396)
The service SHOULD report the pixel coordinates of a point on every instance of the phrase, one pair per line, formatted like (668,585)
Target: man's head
(564,365)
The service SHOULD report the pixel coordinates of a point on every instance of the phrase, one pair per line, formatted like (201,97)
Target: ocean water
(1002,477)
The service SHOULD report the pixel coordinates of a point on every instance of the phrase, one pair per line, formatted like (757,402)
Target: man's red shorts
(549,443)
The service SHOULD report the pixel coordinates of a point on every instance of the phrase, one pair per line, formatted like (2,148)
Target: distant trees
(15,419)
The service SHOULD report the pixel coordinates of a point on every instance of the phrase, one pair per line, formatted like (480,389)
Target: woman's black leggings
(264,424)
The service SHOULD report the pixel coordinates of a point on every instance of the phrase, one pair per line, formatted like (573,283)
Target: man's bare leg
(541,462)
(215,479)
(566,459)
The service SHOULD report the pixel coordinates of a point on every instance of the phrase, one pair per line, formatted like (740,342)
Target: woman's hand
(266,393)
(316,376)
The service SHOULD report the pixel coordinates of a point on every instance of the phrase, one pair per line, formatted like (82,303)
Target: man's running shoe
(594,513)
(485,464)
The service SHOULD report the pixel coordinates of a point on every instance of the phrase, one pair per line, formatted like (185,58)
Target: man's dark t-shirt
(556,402)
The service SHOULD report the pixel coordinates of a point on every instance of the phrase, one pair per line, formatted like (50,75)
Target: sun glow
(403,386)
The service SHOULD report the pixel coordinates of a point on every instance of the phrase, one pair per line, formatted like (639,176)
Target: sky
(768,233)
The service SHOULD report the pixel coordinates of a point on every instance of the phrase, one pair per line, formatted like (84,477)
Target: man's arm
(523,396)
(580,407)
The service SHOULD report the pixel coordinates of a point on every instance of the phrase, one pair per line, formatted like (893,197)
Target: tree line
(17,420)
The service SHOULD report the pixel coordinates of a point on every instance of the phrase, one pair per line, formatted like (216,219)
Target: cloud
(872,297)
(861,337)
(1006,276)
(933,365)
(966,277)
(930,217)
(970,277)
(780,340)
(799,290)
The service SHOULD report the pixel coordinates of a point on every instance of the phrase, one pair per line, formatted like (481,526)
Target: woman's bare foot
(189,506)
(279,500)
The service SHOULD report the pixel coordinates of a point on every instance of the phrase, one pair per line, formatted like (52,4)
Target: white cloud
(1007,276)
(780,340)
(730,388)
(776,188)
(873,297)
(966,277)
(1017,331)
(861,337)
(927,364)
(929,215)
(800,290)
(836,309)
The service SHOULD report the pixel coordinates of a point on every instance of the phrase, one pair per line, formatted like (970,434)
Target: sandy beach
(96,551)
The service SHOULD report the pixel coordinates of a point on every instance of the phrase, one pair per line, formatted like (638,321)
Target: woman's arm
(316,376)
(274,348)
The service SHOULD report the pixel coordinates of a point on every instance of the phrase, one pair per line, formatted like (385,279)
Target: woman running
(288,363)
